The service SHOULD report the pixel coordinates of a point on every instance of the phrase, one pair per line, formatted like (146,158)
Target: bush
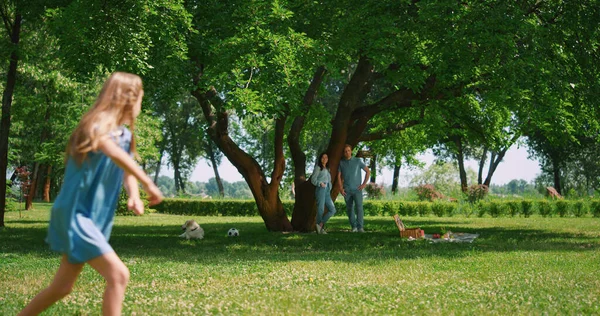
(477,192)
(122,203)
(482,209)
(450,208)
(441,209)
(467,209)
(424,209)
(526,208)
(374,208)
(391,209)
(427,192)
(595,208)
(409,209)
(544,208)
(217,207)
(11,204)
(513,208)
(495,209)
(375,191)
(579,209)
(437,209)
(562,208)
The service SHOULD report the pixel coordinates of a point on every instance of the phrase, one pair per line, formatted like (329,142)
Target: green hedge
(493,208)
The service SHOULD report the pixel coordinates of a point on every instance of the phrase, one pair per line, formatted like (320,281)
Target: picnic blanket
(452,237)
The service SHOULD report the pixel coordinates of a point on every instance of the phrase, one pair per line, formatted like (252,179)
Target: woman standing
(321,178)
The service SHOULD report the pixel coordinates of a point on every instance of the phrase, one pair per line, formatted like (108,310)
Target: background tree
(444,177)
(214,156)
(183,137)
(18,17)
(94,37)
(563,109)
(401,149)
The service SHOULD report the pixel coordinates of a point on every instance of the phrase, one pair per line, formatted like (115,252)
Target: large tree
(94,37)
(565,110)
(415,63)
(18,17)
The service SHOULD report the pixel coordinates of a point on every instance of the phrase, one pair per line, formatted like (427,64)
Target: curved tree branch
(388,131)
(6,19)
(298,155)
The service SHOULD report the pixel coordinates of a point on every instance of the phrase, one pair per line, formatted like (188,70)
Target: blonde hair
(113,107)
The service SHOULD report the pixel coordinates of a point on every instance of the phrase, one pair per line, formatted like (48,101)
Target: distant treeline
(240,189)
(210,189)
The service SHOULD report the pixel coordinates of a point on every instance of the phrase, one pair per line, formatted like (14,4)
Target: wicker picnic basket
(411,232)
(407,232)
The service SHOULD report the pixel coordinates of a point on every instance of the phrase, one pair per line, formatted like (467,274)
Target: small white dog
(192,230)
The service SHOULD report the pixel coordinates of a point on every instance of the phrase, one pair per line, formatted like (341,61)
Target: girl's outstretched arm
(123,160)
(134,202)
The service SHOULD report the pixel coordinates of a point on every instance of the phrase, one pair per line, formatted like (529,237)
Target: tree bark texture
(481,164)
(395,177)
(461,164)
(32,187)
(373,167)
(160,157)
(7,97)
(47,182)
(348,127)
(556,174)
(494,162)
(266,194)
(305,208)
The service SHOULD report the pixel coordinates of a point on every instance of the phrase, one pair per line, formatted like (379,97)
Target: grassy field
(517,266)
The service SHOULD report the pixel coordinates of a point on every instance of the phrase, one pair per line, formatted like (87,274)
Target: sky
(515,165)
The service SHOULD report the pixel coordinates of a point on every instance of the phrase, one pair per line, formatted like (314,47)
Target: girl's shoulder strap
(125,132)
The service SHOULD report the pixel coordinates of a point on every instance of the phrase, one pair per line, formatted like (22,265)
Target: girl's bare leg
(60,287)
(116,275)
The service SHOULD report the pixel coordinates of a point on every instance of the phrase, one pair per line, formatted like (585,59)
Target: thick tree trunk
(461,164)
(305,210)
(179,185)
(373,167)
(556,174)
(266,195)
(304,221)
(159,164)
(7,97)
(495,160)
(41,176)
(395,179)
(342,131)
(481,164)
(32,187)
(47,184)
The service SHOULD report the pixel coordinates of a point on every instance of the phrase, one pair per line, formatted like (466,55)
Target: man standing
(349,172)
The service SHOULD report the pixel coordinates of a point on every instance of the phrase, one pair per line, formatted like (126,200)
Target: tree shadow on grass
(161,243)
(28,222)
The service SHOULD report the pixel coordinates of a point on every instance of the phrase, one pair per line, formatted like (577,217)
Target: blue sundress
(82,216)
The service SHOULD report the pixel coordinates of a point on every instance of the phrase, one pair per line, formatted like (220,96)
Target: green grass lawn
(517,266)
